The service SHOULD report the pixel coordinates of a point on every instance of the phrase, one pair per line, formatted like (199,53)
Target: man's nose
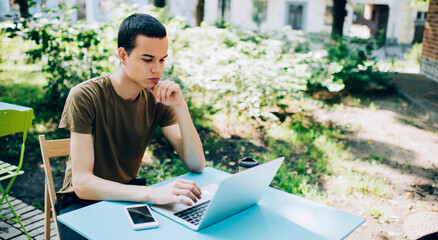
(156,68)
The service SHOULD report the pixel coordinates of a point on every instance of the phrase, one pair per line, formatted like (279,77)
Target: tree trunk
(24,8)
(223,10)
(339,14)
(160,3)
(200,12)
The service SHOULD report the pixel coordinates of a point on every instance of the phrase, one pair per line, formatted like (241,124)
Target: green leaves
(244,73)
(348,67)
(71,51)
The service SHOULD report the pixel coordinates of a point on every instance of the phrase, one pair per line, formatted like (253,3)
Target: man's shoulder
(100,81)
(91,87)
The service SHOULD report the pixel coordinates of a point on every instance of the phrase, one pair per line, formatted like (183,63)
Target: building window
(328,18)
(295,16)
(14,7)
(421,15)
(81,9)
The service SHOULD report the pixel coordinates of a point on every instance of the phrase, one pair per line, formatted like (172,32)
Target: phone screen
(140,214)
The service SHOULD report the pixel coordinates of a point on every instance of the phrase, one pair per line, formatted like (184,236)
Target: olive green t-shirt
(121,129)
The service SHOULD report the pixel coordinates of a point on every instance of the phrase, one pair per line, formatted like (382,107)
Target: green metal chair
(13,119)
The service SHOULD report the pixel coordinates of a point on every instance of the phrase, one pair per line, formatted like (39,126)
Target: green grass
(378,157)
(21,81)
(350,181)
(373,106)
(375,209)
(19,93)
(23,74)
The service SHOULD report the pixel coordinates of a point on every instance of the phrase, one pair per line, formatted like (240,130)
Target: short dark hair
(138,24)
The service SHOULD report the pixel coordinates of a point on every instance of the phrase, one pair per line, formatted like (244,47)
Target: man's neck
(125,88)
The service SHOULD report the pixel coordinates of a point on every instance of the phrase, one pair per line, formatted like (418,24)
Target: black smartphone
(140,216)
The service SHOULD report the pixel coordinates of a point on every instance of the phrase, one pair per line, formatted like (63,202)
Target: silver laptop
(234,194)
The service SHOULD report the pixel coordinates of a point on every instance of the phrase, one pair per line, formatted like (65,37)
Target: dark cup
(246,163)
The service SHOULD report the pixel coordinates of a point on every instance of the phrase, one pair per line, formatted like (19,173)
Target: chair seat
(8,170)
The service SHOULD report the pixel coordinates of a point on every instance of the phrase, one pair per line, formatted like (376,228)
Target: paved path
(420,90)
(32,218)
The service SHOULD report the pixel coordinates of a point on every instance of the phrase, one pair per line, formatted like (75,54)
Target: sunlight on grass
(374,208)
(410,61)
(21,82)
(314,153)
(24,76)
(373,106)
(14,49)
(351,180)
(226,123)
(338,107)
(334,151)
(16,66)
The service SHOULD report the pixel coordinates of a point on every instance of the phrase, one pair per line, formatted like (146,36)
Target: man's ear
(121,52)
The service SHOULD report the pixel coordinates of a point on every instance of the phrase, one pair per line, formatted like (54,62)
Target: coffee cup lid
(248,162)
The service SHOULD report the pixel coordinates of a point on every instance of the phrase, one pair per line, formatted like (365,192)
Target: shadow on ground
(379,151)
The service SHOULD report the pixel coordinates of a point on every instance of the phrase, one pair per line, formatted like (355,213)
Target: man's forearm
(91,187)
(193,153)
(94,188)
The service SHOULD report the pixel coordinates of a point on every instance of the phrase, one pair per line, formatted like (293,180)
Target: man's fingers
(187,193)
(173,88)
(180,199)
(191,188)
(163,90)
(157,91)
(184,200)
(187,182)
(179,190)
(190,185)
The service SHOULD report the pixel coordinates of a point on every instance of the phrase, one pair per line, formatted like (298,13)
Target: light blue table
(278,215)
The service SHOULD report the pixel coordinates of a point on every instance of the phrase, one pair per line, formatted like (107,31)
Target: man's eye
(147,60)
(162,60)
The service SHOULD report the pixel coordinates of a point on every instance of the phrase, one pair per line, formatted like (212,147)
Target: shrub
(240,72)
(349,67)
(214,65)
(71,53)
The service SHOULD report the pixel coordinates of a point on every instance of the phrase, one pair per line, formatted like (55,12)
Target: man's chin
(150,89)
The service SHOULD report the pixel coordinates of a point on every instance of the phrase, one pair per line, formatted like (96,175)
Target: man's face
(145,63)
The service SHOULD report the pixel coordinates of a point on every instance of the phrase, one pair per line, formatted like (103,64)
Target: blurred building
(395,21)
(429,56)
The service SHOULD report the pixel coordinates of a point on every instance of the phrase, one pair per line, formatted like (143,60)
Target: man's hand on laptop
(177,191)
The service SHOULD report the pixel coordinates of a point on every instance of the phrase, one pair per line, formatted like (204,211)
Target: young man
(111,120)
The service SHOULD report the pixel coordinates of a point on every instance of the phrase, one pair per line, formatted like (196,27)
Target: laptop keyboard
(193,214)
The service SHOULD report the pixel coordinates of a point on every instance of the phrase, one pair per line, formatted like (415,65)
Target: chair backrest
(14,121)
(51,149)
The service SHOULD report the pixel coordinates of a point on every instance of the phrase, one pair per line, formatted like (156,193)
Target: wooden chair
(13,119)
(51,149)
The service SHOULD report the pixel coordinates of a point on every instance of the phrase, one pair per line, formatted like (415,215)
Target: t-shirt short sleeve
(78,114)
(168,117)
